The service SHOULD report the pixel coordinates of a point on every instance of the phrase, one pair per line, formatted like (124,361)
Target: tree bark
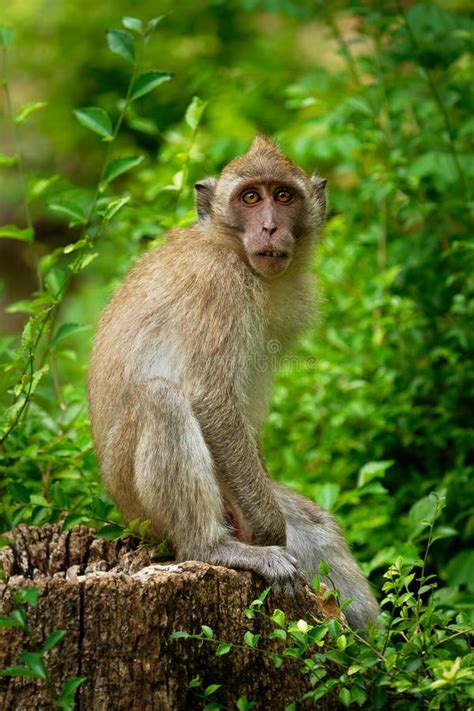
(118,609)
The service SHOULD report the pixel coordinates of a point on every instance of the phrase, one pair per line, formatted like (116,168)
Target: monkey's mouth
(273,254)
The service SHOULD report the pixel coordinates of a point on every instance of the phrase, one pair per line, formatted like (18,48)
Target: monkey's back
(171,313)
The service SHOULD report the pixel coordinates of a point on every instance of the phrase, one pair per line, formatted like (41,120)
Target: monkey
(179,388)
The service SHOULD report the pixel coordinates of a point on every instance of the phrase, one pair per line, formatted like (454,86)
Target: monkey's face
(267,217)
(268,204)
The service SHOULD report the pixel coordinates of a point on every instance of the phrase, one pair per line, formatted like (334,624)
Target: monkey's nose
(269,230)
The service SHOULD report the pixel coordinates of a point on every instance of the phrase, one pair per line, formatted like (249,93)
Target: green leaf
(121,42)
(8,160)
(153,23)
(9,622)
(35,662)
(179,634)
(144,526)
(96,120)
(30,596)
(147,82)
(422,514)
(102,508)
(113,208)
(55,280)
(74,246)
(278,634)
(121,165)
(345,697)
(23,307)
(441,166)
(134,24)
(38,499)
(277,661)
(66,330)
(72,520)
(6,36)
(71,208)
(38,374)
(52,640)
(195,682)
(207,631)
(293,652)
(38,187)
(19,616)
(338,657)
(278,617)
(39,515)
(66,698)
(324,568)
(211,689)
(19,492)
(243,704)
(59,496)
(109,532)
(18,670)
(84,261)
(251,639)
(13,232)
(28,109)
(222,649)
(373,470)
(194,112)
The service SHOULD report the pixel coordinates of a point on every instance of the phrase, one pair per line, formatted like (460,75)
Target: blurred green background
(374,96)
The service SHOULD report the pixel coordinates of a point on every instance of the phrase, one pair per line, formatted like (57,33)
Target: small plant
(34,657)
(420,657)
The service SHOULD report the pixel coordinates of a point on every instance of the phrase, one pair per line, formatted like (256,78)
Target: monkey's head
(267,202)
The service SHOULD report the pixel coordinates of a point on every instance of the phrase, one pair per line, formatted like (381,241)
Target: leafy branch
(101,210)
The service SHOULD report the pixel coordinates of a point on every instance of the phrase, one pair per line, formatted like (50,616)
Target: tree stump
(118,609)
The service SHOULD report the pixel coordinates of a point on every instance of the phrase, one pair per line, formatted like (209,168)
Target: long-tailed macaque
(179,385)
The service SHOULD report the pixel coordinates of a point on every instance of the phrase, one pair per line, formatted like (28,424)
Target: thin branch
(439,103)
(19,160)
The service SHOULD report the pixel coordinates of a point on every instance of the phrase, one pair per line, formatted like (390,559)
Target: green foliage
(376,412)
(419,658)
(47,461)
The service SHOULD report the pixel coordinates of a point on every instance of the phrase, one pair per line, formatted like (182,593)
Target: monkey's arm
(238,463)
(224,326)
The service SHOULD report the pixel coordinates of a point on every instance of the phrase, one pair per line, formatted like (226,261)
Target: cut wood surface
(119,608)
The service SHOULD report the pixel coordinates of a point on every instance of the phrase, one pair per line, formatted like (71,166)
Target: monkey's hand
(280,569)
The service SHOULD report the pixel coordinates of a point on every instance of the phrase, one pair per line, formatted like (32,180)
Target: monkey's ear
(205,190)
(318,183)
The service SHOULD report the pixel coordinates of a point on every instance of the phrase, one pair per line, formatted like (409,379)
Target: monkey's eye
(250,197)
(283,195)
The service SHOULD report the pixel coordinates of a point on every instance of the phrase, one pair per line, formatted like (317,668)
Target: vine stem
(439,103)
(185,170)
(345,50)
(19,159)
